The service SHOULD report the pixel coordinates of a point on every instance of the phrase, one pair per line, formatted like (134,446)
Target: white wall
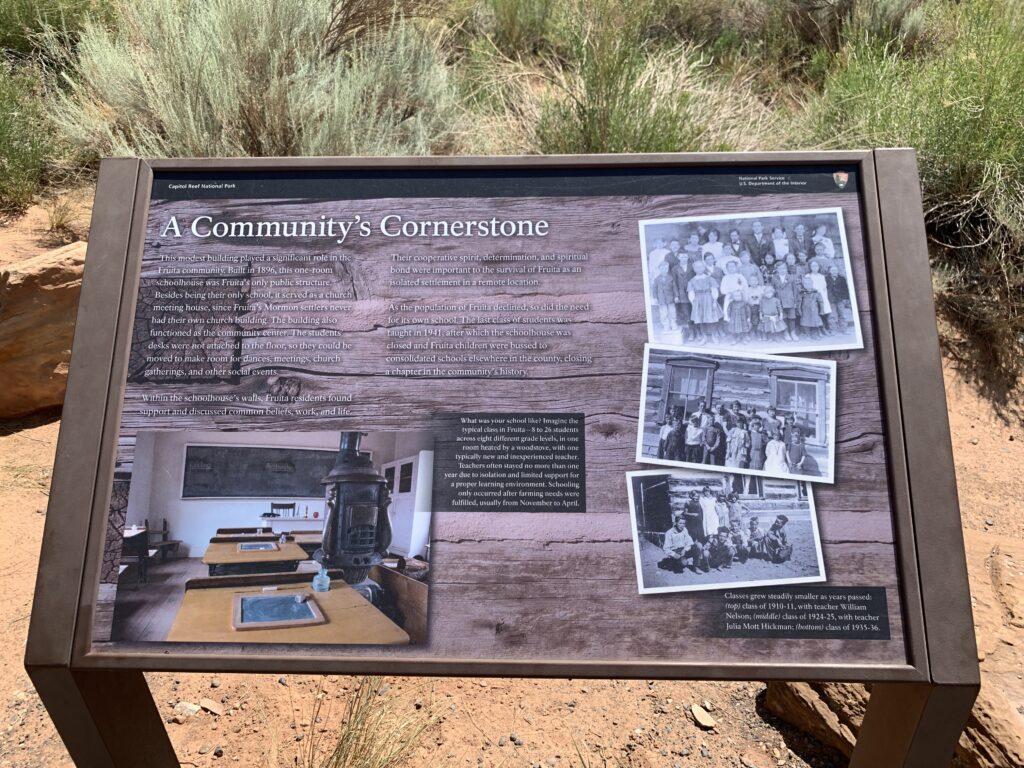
(410,512)
(420,534)
(159,466)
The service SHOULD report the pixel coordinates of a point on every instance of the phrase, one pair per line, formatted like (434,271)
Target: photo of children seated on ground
(696,530)
(767,282)
(762,415)
(307,538)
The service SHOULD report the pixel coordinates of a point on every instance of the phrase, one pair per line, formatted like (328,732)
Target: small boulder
(38,310)
(186,708)
(702,718)
(211,706)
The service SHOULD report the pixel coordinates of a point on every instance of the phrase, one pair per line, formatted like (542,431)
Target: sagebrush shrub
(237,78)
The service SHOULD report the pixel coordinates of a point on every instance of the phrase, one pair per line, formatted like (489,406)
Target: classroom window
(688,384)
(802,396)
(405,478)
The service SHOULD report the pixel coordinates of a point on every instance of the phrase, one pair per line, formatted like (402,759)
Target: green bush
(522,28)
(23,146)
(617,93)
(237,78)
(783,40)
(960,107)
(23,21)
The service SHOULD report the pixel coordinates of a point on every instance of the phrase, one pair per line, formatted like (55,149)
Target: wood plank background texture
(525,585)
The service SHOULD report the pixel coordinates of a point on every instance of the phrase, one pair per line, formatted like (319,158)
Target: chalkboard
(275,611)
(257,546)
(223,471)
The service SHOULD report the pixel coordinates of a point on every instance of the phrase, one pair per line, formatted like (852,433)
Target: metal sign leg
(106,719)
(912,725)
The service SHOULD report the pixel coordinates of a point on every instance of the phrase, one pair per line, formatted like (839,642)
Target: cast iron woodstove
(358,532)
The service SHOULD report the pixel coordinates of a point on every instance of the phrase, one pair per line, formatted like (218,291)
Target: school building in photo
(679,383)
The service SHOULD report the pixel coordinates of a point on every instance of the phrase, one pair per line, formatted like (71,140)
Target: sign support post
(912,725)
(107,719)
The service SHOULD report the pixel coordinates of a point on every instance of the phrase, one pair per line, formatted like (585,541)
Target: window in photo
(801,394)
(405,478)
(690,386)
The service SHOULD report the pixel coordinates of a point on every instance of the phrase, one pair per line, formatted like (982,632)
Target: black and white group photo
(745,414)
(765,282)
(697,530)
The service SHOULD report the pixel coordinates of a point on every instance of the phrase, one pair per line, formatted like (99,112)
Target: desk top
(225,553)
(308,538)
(205,617)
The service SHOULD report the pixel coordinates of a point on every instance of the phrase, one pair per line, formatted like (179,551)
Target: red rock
(211,706)
(38,307)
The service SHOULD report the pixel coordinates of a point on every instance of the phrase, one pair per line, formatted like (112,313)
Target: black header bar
(500,182)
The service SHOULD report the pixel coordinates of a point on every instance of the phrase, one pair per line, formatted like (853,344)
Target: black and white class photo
(696,530)
(764,281)
(747,414)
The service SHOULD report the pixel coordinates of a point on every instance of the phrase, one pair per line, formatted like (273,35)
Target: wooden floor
(146,612)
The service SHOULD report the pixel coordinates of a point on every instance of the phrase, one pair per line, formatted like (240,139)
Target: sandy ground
(58,221)
(267,719)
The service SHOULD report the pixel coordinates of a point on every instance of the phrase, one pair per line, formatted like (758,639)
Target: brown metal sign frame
(99,700)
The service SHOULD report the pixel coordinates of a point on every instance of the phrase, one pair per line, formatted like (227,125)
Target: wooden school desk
(224,557)
(206,612)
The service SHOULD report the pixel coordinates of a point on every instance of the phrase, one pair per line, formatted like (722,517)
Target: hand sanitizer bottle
(283,540)
(322,582)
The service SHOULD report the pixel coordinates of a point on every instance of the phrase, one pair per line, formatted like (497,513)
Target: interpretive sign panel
(604,412)
(664,416)
(498,329)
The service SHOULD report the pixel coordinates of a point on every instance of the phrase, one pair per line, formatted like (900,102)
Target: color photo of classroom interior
(208,522)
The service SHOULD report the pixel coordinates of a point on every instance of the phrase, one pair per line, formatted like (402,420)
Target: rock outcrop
(833,712)
(38,307)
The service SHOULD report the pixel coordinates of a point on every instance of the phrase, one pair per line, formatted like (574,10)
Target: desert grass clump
(23,22)
(521,29)
(373,733)
(616,92)
(236,78)
(960,107)
(803,26)
(786,42)
(62,219)
(24,147)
